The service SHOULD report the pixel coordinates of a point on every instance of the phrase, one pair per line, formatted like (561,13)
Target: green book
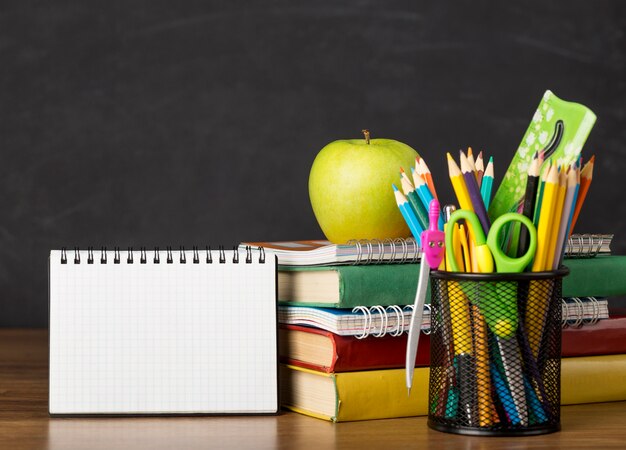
(602,276)
(348,286)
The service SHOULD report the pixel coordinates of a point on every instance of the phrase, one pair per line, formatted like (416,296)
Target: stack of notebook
(343,314)
(593,367)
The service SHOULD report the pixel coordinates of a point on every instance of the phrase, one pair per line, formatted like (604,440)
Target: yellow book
(348,396)
(592,379)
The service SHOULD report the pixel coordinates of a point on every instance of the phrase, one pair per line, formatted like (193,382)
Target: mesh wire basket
(495,353)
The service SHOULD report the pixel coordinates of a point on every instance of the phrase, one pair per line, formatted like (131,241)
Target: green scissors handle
(504,263)
(497,302)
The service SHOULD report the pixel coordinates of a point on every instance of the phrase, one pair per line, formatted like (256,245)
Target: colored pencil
(536,305)
(542,182)
(557,218)
(474,193)
(530,197)
(414,202)
(405,177)
(548,203)
(424,171)
(458,184)
(470,160)
(573,178)
(424,193)
(487,184)
(482,368)
(480,168)
(465,247)
(407,213)
(586,176)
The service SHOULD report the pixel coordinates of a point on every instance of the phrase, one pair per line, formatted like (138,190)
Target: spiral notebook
(400,250)
(162,332)
(394,320)
(321,252)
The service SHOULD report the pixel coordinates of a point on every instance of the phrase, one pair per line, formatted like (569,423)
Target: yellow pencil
(467,259)
(458,184)
(548,202)
(537,303)
(557,218)
(482,368)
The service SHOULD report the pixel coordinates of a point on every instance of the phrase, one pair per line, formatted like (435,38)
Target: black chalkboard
(179,123)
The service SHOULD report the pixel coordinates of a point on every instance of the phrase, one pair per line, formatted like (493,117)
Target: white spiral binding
(580,319)
(586,245)
(372,251)
(399,320)
(182,256)
(367,320)
(384,314)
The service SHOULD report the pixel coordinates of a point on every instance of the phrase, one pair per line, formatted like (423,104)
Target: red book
(324,351)
(606,337)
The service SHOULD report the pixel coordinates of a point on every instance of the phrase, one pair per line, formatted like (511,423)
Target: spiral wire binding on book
(384,314)
(372,251)
(580,319)
(182,258)
(586,245)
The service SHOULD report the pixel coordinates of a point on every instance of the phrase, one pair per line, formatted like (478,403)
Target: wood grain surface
(25,424)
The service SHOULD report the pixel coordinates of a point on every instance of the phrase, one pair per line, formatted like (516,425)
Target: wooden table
(25,424)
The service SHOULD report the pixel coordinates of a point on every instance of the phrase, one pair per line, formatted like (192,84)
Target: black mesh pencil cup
(495,353)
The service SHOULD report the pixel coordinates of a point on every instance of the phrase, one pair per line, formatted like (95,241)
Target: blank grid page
(162,338)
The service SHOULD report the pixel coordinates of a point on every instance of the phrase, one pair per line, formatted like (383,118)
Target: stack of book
(343,315)
(343,312)
(593,367)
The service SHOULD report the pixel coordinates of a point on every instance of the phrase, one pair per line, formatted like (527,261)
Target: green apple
(350,188)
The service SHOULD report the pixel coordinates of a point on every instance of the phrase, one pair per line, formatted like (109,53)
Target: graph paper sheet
(188,338)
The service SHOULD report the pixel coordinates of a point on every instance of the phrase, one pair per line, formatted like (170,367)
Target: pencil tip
(408,392)
(394,187)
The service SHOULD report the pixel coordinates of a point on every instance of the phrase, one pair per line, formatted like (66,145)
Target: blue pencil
(421,187)
(409,216)
(487,183)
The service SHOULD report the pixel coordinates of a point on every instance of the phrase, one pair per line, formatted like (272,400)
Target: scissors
(497,303)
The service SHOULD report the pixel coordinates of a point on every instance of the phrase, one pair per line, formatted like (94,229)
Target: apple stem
(366,133)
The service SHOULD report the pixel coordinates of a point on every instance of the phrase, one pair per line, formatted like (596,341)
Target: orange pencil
(586,175)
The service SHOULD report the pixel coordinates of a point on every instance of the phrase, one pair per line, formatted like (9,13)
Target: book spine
(591,379)
(607,337)
(384,285)
(602,276)
(380,394)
